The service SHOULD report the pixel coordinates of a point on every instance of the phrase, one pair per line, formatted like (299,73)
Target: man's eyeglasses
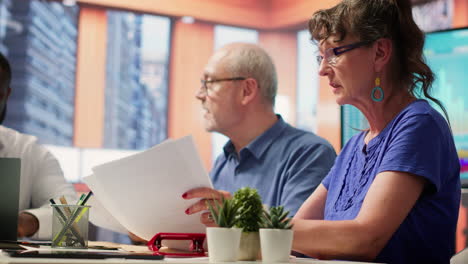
(206,82)
(331,54)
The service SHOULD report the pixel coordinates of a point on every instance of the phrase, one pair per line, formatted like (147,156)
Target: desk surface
(5,259)
(8,260)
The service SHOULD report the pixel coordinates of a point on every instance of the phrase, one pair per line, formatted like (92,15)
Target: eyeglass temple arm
(343,49)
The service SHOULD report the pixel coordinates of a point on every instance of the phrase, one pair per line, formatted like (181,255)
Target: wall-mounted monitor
(446,53)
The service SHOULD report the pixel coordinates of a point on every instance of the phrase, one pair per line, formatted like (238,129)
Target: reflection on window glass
(39,39)
(308,82)
(136,81)
(224,35)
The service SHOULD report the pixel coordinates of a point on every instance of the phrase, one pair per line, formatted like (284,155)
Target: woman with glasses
(393,193)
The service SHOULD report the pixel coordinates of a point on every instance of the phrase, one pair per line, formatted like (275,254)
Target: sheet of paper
(143,192)
(101,217)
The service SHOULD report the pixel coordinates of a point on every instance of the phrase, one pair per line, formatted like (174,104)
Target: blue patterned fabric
(418,141)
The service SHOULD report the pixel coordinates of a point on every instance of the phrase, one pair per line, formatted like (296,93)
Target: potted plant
(250,212)
(276,235)
(223,241)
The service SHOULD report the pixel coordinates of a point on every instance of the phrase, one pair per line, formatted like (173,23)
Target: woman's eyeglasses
(331,54)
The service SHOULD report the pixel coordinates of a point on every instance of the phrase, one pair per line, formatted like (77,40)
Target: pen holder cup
(70,226)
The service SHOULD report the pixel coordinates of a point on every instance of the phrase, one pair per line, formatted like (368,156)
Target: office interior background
(97,80)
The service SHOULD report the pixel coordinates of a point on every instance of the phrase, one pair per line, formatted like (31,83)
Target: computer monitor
(10,172)
(446,53)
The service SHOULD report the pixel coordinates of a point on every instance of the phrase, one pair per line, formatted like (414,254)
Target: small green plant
(276,218)
(225,212)
(250,209)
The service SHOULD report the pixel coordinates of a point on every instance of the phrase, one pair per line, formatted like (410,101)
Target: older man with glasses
(284,164)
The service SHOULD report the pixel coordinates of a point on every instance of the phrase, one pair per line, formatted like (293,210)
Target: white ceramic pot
(223,243)
(249,246)
(276,244)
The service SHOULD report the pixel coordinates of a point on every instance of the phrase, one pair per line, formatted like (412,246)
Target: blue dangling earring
(377,88)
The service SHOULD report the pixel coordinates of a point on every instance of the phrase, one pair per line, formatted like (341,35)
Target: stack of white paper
(143,192)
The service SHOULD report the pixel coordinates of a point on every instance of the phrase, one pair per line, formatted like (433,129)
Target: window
(136,81)
(308,82)
(39,39)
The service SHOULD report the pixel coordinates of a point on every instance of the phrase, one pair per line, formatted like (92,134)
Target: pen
(86,198)
(84,209)
(81,198)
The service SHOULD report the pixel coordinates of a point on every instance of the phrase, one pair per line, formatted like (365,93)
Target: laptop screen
(10,172)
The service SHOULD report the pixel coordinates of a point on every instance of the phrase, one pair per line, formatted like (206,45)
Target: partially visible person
(283,163)
(394,192)
(41,175)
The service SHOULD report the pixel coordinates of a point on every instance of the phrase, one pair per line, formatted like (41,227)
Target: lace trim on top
(355,185)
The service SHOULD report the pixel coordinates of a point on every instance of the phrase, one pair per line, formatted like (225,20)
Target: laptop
(10,172)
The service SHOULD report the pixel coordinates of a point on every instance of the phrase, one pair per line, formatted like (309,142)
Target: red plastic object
(196,246)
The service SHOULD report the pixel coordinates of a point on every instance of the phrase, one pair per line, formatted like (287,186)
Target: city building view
(136,81)
(42,54)
(40,40)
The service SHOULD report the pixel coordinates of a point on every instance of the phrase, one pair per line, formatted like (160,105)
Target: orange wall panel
(461,227)
(260,14)
(282,46)
(90,78)
(295,14)
(192,45)
(460,16)
(234,12)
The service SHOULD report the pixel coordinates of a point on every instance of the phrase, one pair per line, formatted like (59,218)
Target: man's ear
(383,53)
(8,91)
(250,90)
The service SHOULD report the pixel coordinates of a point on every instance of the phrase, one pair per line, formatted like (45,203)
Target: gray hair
(251,61)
